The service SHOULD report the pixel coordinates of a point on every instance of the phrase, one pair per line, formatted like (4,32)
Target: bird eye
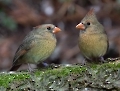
(88,23)
(49,28)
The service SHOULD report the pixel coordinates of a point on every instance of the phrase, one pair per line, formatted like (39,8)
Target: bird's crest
(91,12)
(36,27)
(90,15)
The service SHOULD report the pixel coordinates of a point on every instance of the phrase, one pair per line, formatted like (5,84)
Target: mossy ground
(93,77)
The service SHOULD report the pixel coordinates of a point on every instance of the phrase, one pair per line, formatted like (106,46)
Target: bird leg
(30,69)
(45,64)
(102,59)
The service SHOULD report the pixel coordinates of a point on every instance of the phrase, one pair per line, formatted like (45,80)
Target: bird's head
(48,28)
(89,23)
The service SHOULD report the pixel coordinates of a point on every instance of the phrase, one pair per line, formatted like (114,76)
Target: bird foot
(30,69)
(45,64)
(112,59)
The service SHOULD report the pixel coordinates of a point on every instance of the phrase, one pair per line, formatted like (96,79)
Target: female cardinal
(37,46)
(93,41)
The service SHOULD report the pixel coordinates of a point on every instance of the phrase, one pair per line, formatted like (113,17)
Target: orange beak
(80,26)
(56,29)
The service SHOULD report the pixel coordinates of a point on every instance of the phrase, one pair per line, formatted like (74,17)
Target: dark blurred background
(18,17)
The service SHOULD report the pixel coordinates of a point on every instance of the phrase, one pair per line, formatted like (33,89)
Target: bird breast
(93,45)
(41,50)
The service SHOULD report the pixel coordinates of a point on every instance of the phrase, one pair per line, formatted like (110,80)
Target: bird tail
(14,68)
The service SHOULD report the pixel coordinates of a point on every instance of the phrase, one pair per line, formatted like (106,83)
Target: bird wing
(25,46)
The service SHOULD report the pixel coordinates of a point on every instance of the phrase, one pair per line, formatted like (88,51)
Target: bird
(93,40)
(37,46)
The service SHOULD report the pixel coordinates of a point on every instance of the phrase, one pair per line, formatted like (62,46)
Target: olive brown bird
(93,41)
(37,46)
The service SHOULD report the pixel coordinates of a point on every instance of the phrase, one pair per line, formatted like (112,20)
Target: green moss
(64,71)
(93,76)
(6,78)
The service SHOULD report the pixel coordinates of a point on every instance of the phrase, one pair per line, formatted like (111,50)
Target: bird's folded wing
(25,46)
